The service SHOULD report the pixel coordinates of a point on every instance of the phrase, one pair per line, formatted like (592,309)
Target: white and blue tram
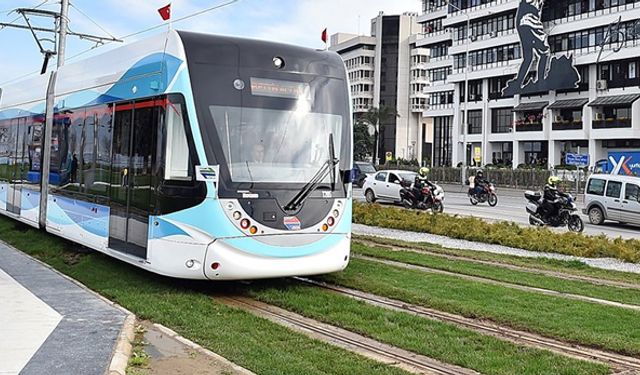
(189,155)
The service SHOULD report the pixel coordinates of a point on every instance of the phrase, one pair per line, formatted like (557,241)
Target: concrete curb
(124,347)
(174,335)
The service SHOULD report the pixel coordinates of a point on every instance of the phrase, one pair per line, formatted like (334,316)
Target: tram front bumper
(230,259)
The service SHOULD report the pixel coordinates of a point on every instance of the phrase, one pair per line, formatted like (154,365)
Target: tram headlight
(253,230)
(237,215)
(325,227)
(336,213)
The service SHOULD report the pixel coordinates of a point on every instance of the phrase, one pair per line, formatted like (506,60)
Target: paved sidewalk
(50,325)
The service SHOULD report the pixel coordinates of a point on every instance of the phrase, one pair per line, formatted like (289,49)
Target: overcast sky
(291,21)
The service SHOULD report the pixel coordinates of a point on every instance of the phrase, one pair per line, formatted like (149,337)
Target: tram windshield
(276,146)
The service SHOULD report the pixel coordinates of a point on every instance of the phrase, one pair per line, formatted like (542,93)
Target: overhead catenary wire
(19,17)
(195,14)
(98,45)
(91,19)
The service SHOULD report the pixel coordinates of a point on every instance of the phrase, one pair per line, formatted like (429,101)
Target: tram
(189,155)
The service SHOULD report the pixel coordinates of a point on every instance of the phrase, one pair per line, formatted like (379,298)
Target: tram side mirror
(349,176)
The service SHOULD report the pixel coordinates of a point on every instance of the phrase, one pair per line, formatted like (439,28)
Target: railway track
(560,275)
(621,363)
(367,347)
(485,280)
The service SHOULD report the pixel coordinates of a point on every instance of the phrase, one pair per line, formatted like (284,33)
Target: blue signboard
(579,160)
(624,163)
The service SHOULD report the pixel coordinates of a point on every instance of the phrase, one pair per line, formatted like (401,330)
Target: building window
(496,85)
(443,143)
(535,153)
(475,122)
(501,120)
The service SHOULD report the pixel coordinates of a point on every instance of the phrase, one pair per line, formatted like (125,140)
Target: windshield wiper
(328,167)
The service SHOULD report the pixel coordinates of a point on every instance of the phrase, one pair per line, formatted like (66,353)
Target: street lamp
(466,95)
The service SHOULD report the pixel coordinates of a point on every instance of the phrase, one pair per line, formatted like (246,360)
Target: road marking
(25,324)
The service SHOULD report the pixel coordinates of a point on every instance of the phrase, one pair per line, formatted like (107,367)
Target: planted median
(563,267)
(605,327)
(500,233)
(495,273)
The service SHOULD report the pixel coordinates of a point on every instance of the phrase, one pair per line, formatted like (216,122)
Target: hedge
(499,233)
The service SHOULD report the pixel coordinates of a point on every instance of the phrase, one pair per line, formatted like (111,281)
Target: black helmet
(479,173)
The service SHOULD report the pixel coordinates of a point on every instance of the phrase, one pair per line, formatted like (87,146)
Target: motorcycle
(565,215)
(411,197)
(488,195)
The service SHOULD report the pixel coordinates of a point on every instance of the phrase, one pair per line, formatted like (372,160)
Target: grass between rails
(594,325)
(572,267)
(501,233)
(251,342)
(629,296)
(441,341)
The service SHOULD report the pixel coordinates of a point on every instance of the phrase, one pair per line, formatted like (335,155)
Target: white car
(385,185)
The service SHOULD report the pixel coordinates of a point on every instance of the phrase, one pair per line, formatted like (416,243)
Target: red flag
(324,35)
(165,12)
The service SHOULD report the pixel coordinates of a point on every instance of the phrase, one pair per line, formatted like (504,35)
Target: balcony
(418,107)
(528,127)
(567,125)
(611,123)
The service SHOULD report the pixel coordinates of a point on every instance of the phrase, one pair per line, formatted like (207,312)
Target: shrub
(500,233)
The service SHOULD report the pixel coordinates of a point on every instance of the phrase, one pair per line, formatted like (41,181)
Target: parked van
(612,197)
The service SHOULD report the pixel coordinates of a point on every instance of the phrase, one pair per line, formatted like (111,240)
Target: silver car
(612,197)
(386,185)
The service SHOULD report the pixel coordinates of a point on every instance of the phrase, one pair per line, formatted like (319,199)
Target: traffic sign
(389,156)
(579,160)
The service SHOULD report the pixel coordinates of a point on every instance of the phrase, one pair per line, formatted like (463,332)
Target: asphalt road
(512,208)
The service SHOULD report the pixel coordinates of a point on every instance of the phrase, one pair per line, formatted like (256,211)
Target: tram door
(131,170)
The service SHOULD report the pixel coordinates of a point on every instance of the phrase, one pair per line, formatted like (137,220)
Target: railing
(529,127)
(457,41)
(527,179)
(611,123)
(455,12)
(567,125)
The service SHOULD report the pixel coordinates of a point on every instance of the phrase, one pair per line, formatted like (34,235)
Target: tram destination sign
(280,89)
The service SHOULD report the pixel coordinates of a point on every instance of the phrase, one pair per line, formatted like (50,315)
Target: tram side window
(34,149)
(6,149)
(103,116)
(177,165)
(60,160)
(74,180)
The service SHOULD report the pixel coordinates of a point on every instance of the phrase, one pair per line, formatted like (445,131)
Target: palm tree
(378,117)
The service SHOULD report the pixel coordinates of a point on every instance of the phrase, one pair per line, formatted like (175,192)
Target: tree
(379,117)
(362,142)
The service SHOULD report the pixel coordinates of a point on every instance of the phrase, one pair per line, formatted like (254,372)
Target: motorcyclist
(551,199)
(420,181)
(480,182)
